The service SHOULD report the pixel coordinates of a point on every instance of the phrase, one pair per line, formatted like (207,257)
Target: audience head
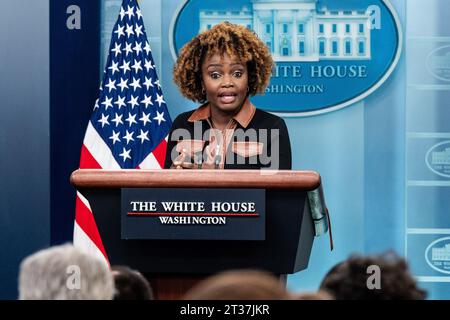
(64,273)
(319,295)
(239,285)
(357,279)
(130,284)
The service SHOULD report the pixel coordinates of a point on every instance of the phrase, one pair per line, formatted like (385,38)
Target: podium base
(170,287)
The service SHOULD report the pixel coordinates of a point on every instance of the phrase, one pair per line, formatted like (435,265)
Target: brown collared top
(219,140)
(243,117)
(226,144)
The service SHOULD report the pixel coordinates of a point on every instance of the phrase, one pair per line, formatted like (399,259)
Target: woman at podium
(221,68)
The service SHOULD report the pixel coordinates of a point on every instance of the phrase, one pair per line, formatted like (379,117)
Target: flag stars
(115,137)
(148,65)
(119,31)
(147,48)
(148,83)
(136,66)
(138,30)
(123,84)
(137,47)
(114,67)
(159,117)
(120,102)
(116,49)
(133,101)
(130,81)
(147,101)
(135,84)
(125,154)
(143,136)
(125,66)
(159,99)
(96,105)
(104,120)
(128,136)
(107,103)
(130,12)
(111,85)
(145,118)
(131,119)
(129,30)
(128,49)
(118,120)
(122,13)
(138,13)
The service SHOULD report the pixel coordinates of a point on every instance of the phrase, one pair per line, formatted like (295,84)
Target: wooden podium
(292,217)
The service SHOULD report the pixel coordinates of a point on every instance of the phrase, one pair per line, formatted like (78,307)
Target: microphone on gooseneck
(217,158)
(198,159)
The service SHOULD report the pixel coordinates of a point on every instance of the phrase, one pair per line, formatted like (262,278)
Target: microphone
(198,159)
(217,158)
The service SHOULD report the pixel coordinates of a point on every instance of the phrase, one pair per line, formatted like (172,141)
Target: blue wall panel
(427,145)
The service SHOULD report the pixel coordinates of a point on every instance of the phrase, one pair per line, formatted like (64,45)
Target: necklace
(215,126)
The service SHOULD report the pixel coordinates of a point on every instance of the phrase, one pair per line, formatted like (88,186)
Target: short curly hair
(348,279)
(234,40)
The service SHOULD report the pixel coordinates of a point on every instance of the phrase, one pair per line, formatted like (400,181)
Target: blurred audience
(239,285)
(356,279)
(130,284)
(64,273)
(319,295)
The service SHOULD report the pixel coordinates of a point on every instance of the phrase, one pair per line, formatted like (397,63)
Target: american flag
(130,121)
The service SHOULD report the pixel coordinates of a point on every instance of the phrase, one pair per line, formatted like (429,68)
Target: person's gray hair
(64,273)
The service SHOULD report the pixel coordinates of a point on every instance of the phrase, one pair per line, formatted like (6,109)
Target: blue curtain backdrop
(365,152)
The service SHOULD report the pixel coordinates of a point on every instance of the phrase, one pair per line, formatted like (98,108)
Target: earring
(203,91)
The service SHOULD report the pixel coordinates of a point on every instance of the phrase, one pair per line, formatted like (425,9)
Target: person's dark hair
(234,40)
(130,284)
(348,280)
(318,295)
(239,285)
